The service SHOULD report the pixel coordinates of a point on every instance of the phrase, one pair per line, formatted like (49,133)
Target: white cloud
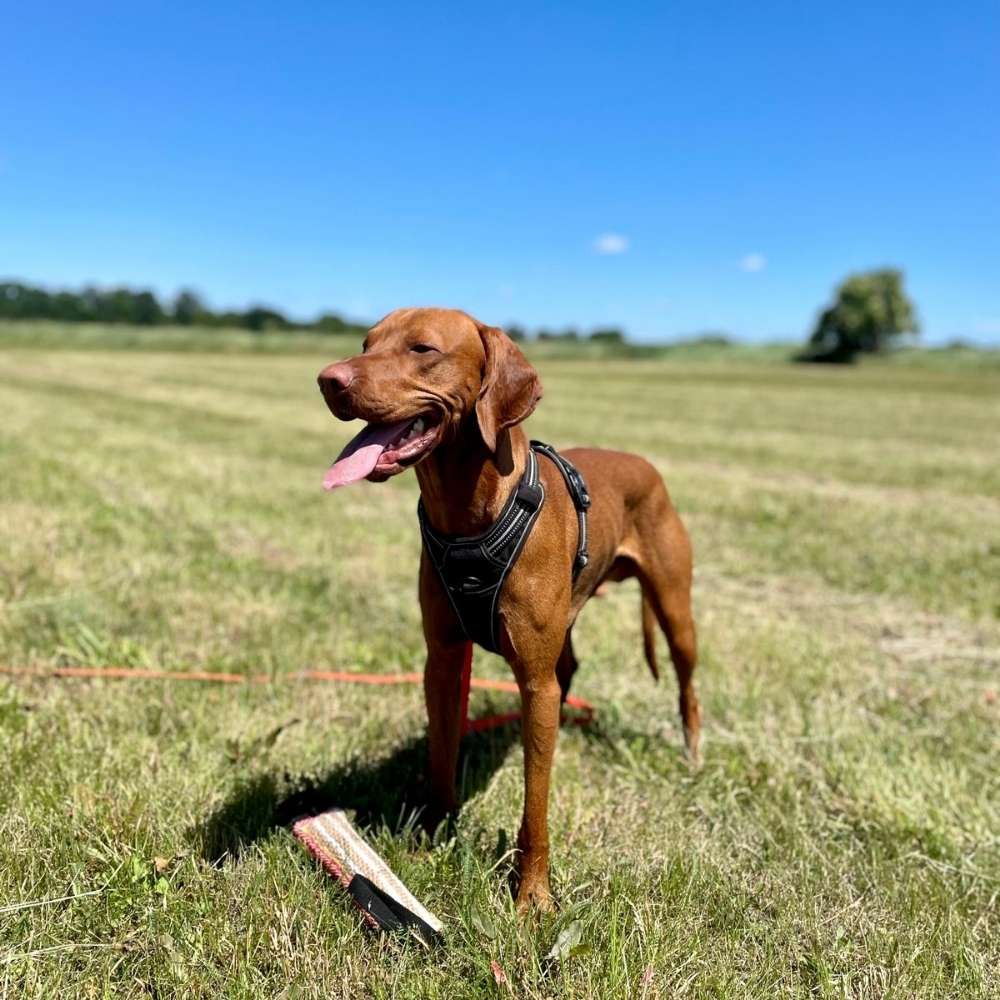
(753,262)
(610,243)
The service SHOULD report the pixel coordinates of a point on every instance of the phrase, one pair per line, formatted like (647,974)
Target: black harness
(472,569)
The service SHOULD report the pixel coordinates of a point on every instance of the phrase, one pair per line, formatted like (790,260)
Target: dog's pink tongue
(362,454)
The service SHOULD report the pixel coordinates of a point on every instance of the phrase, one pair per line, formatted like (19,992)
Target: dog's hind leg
(665,575)
(567,665)
(649,635)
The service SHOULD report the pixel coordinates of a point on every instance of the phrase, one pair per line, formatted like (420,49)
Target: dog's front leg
(541,697)
(443,694)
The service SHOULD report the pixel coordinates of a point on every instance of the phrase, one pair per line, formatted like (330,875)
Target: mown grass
(841,839)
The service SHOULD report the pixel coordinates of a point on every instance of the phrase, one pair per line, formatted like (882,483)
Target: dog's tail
(649,636)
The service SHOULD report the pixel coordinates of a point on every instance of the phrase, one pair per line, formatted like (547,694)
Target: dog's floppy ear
(511,388)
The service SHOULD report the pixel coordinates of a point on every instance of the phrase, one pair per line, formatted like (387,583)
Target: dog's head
(426,376)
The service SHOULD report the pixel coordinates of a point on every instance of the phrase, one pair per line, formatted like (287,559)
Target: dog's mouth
(383,450)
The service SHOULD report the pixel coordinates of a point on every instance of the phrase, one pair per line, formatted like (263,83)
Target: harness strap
(472,569)
(579,495)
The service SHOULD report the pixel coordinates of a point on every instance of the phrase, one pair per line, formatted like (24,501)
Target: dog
(446,394)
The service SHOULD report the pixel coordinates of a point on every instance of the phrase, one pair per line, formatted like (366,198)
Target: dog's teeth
(418,426)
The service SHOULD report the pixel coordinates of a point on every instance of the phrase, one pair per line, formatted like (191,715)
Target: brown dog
(442,392)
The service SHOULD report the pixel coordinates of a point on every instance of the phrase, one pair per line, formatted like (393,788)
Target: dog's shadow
(390,790)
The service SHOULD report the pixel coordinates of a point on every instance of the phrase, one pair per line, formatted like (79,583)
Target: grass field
(841,839)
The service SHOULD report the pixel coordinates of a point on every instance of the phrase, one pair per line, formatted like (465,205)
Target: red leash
(584,710)
(466,685)
(584,707)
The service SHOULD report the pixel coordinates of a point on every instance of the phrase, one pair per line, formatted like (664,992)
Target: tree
(67,307)
(19,301)
(611,335)
(568,334)
(332,323)
(146,309)
(188,308)
(869,310)
(259,318)
(122,305)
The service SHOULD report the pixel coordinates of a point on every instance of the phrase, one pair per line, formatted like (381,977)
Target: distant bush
(332,323)
(710,338)
(608,336)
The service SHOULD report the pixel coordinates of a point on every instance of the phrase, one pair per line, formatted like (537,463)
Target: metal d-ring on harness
(473,569)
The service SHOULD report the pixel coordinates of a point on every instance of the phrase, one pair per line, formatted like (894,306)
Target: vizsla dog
(446,394)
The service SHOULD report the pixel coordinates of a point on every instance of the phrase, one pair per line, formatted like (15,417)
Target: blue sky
(667,167)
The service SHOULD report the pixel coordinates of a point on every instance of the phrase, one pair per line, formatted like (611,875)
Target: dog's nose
(336,378)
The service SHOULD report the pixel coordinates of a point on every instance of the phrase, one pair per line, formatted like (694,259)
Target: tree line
(604,335)
(143,307)
(869,311)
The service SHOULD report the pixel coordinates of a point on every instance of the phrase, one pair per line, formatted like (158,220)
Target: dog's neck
(464,486)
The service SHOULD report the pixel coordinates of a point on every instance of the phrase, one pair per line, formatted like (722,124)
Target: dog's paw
(534,898)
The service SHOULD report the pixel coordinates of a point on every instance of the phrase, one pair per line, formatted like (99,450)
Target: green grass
(841,838)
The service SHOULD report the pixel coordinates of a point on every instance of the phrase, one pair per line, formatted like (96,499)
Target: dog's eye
(423,349)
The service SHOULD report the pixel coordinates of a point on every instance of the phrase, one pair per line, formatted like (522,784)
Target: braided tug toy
(384,902)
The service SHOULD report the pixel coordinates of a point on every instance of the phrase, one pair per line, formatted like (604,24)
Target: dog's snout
(336,378)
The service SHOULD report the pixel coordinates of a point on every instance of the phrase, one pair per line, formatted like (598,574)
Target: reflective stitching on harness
(473,569)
